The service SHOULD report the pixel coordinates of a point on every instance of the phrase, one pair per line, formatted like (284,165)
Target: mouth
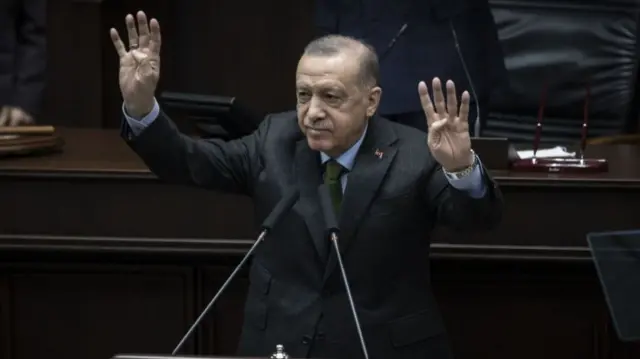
(316,130)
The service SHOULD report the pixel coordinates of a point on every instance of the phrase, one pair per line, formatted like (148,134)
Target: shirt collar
(348,158)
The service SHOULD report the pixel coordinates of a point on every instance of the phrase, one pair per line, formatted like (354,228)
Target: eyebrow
(321,86)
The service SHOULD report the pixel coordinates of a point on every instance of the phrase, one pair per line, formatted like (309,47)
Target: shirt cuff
(137,126)
(473,183)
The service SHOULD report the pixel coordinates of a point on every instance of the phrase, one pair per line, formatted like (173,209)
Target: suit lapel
(306,166)
(371,166)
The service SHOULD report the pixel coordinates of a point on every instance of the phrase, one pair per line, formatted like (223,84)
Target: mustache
(319,126)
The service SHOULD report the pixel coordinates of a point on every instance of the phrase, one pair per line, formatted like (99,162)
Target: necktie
(332,172)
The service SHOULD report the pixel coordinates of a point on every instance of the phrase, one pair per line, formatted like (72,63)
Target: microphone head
(286,202)
(330,220)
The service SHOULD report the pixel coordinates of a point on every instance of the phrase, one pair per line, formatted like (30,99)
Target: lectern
(278,354)
(617,260)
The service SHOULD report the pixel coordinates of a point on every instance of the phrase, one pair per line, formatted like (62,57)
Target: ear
(374,100)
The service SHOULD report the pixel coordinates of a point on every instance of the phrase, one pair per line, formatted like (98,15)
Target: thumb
(139,56)
(435,132)
(438,126)
(145,65)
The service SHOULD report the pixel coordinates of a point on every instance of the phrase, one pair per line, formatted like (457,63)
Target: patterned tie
(332,172)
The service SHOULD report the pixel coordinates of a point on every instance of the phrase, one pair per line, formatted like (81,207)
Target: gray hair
(331,45)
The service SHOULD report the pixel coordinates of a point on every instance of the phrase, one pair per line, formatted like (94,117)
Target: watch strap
(464,172)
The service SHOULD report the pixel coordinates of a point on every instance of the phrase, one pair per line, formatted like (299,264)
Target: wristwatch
(465,172)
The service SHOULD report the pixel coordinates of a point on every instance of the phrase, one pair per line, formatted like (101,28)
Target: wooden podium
(278,354)
(142,356)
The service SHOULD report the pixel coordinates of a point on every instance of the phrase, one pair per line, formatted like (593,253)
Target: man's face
(333,106)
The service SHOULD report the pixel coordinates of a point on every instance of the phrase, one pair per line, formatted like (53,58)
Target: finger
(143,29)
(132,32)
(427,105)
(452,101)
(156,40)
(117,42)
(438,97)
(26,119)
(463,115)
(4,116)
(15,120)
(11,118)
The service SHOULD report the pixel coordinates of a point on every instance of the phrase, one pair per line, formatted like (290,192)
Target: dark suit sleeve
(455,209)
(31,55)
(177,158)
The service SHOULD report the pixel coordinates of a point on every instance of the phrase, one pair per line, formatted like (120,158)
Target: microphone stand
(206,310)
(332,227)
(334,240)
(286,202)
(477,126)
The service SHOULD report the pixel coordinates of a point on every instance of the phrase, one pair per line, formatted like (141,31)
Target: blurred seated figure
(417,40)
(23,59)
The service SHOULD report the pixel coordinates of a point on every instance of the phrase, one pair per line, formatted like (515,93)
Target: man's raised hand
(140,64)
(448,137)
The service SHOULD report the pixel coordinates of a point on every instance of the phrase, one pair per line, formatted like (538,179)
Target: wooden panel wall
(92,266)
(242,48)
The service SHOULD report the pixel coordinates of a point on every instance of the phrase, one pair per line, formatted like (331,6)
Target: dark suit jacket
(390,206)
(425,49)
(23,53)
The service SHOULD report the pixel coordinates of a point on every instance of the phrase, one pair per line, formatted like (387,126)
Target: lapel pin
(378,153)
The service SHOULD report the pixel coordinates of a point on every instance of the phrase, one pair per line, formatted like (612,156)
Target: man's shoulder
(282,121)
(280,126)
(291,115)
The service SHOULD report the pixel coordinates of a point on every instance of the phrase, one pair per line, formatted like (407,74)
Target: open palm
(140,65)
(448,137)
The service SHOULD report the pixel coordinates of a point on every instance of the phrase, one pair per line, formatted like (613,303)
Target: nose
(315,110)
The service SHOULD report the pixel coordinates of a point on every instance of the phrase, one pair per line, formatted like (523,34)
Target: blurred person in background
(23,58)
(419,39)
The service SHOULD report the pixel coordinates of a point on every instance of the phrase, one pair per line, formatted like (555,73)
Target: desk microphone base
(561,165)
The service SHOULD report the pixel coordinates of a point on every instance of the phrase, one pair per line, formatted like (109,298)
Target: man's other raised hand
(139,64)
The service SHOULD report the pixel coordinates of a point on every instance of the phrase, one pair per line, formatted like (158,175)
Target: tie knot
(333,170)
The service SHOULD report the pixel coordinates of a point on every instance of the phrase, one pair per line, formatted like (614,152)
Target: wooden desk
(100,257)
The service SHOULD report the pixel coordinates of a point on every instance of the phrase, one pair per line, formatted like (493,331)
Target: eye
(302,96)
(332,97)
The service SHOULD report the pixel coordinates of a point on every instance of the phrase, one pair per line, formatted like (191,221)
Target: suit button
(320,336)
(306,340)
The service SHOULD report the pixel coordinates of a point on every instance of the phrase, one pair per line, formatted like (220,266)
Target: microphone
(476,124)
(285,203)
(391,43)
(331,225)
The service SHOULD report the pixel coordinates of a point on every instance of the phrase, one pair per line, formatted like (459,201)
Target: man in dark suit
(23,59)
(396,185)
(415,40)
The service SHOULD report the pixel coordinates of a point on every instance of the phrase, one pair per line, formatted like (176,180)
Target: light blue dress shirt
(473,183)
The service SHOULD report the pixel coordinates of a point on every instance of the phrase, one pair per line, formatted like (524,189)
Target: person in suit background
(23,59)
(415,40)
(393,184)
